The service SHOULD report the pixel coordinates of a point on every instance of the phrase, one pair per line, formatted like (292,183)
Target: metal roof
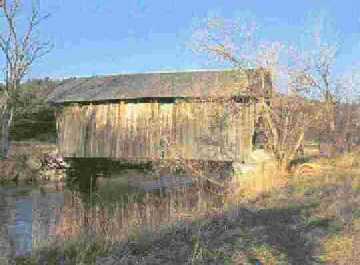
(186,84)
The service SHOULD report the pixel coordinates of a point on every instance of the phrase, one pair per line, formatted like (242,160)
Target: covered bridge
(194,115)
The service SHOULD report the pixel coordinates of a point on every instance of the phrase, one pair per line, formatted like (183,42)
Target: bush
(34,118)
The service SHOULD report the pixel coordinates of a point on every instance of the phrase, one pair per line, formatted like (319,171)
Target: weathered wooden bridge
(197,115)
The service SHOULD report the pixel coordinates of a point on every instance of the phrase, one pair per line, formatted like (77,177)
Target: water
(27,216)
(34,217)
(31,216)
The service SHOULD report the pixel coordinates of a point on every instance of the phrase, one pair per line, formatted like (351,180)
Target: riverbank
(28,162)
(312,218)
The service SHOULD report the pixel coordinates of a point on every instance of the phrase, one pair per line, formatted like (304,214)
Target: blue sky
(94,37)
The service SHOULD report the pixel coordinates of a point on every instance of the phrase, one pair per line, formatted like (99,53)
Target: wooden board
(216,131)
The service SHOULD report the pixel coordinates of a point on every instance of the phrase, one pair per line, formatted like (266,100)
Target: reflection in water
(32,217)
(27,217)
(6,244)
(45,216)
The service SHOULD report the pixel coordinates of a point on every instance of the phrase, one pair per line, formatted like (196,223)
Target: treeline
(346,134)
(34,118)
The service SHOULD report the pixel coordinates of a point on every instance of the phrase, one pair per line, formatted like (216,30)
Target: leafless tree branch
(20,51)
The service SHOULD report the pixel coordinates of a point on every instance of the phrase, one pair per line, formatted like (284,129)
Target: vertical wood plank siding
(198,130)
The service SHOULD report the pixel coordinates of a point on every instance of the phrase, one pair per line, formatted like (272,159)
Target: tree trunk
(6,120)
(282,165)
(332,128)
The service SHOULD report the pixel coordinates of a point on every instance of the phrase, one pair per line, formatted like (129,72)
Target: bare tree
(289,115)
(337,94)
(315,78)
(20,48)
(348,110)
(308,93)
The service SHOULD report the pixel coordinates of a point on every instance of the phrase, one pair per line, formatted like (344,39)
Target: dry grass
(342,250)
(265,178)
(137,212)
(301,220)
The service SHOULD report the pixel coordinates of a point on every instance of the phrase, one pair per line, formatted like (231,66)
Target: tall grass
(124,219)
(265,178)
(242,225)
(134,213)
